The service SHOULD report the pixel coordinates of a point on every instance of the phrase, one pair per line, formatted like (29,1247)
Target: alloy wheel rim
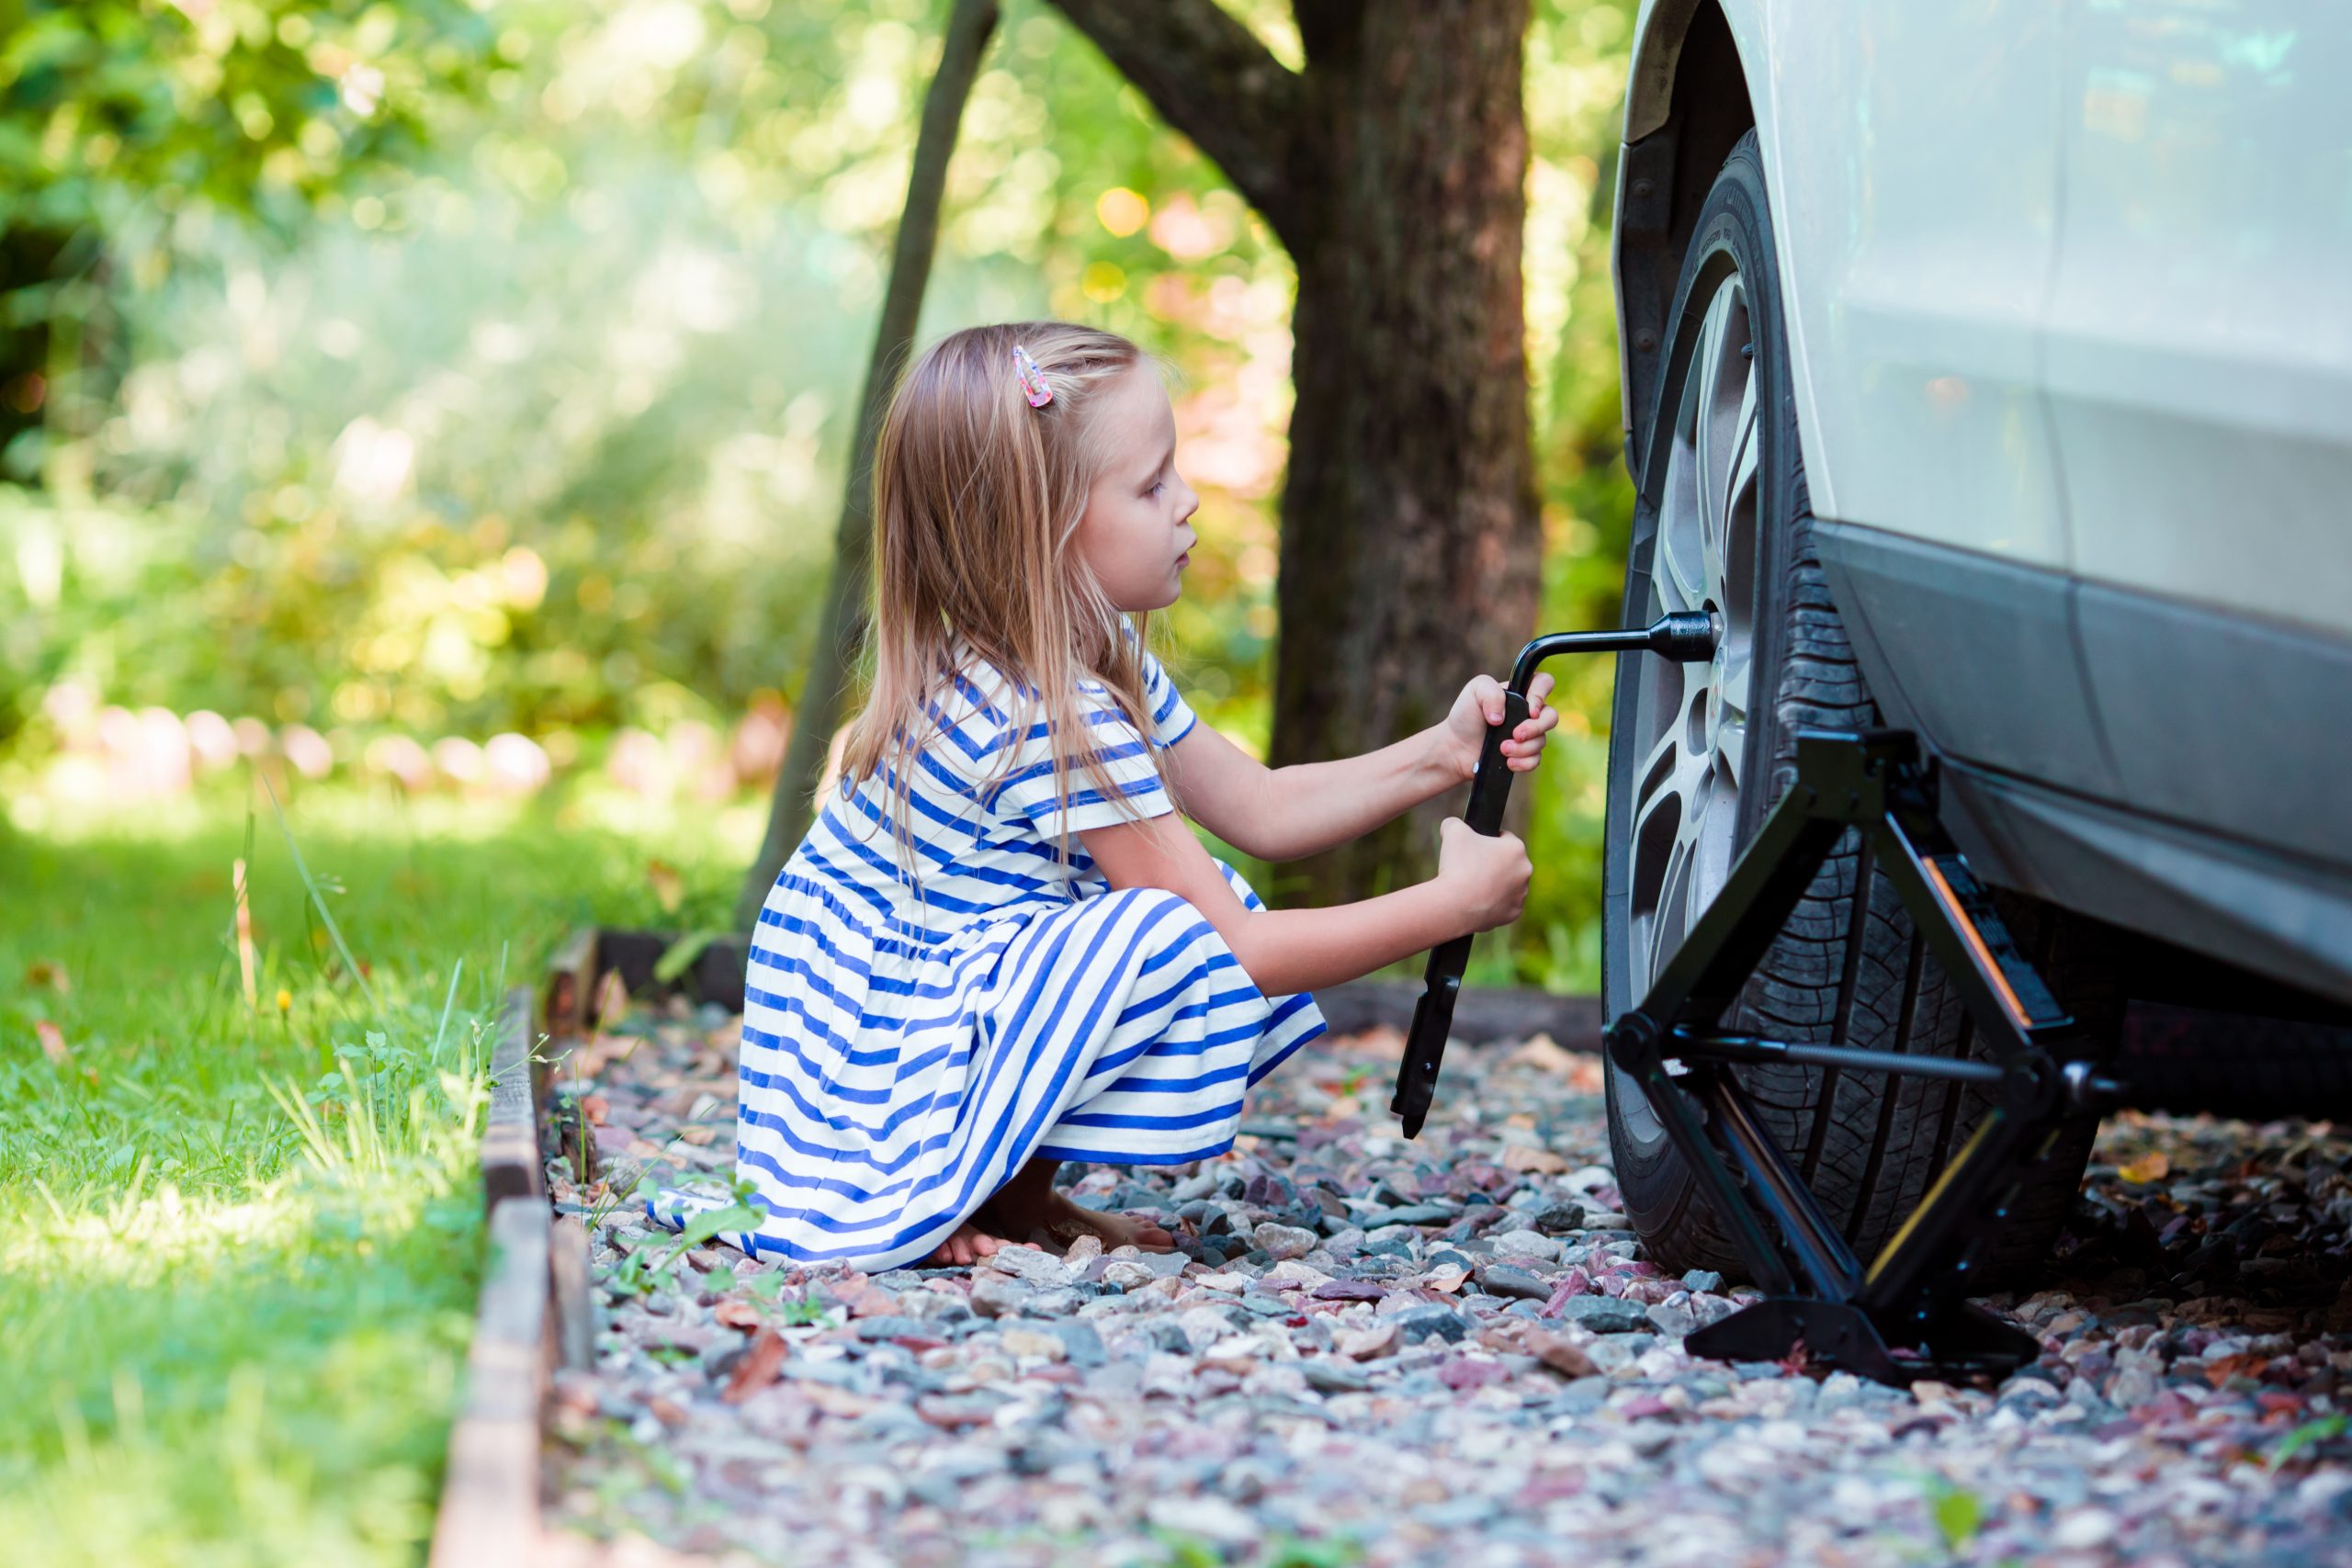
(1691,720)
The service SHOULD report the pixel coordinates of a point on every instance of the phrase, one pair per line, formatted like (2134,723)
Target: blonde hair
(977,502)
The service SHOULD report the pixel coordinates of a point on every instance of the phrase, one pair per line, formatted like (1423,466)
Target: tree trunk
(841,630)
(1394,168)
(30,260)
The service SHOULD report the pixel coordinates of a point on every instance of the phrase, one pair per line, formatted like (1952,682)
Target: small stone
(1526,1244)
(1080,1343)
(996,1295)
(1426,1318)
(1127,1274)
(1349,1291)
(1675,1322)
(1465,1375)
(892,1327)
(1031,1266)
(1502,1279)
(1605,1315)
(1281,1242)
(1556,1217)
(1410,1215)
(1700,1280)
(1560,1353)
(1329,1374)
(1295,1275)
(1031,1342)
(2083,1528)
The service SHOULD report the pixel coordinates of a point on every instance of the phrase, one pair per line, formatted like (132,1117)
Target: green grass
(239,1247)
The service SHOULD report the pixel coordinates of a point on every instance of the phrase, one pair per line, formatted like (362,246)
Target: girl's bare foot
(968,1244)
(1063,1222)
(1028,1207)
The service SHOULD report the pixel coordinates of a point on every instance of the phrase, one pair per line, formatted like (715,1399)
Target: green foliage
(239,1249)
(541,423)
(257,105)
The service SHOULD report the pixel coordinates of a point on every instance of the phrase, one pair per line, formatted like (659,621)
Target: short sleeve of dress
(1131,764)
(1171,717)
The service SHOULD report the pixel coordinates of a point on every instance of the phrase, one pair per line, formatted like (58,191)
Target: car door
(1919,146)
(2199,376)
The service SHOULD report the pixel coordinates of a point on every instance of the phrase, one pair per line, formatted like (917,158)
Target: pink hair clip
(1032,380)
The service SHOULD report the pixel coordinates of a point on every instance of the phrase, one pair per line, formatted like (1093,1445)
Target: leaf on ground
(2148,1168)
(2303,1437)
(1543,1052)
(2247,1364)
(1957,1514)
(1527,1157)
(669,887)
(49,972)
(758,1368)
(1560,1353)
(52,1043)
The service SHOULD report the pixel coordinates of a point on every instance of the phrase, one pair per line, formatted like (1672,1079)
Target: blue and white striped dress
(906,1051)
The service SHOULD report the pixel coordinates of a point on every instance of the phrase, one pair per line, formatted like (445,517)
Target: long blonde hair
(977,502)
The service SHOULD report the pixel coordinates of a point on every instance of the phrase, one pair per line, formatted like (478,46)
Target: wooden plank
(571,985)
(490,1501)
(575,1323)
(511,1167)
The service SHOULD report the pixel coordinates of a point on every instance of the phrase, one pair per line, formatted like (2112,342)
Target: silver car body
(2068,287)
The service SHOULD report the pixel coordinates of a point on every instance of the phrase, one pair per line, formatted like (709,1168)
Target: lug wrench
(1686,636)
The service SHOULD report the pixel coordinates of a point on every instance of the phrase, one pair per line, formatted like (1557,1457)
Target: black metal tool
(1906,1316)
(1685,637)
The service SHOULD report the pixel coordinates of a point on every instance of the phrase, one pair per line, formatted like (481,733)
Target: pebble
(1031,1266)
(1605,1315)
(1372,1350)
(1281,1242)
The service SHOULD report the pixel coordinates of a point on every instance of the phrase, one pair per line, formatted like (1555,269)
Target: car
(1987,370)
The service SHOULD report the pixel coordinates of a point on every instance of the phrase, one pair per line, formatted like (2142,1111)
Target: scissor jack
(1905,1316)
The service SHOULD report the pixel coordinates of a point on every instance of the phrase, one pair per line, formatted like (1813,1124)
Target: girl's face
(1134,533)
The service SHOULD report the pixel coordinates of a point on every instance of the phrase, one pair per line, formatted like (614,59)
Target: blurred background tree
(535,417)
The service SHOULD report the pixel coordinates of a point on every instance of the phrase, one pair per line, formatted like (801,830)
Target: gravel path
(1449,1351)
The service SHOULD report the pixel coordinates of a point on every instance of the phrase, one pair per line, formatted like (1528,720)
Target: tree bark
(1394,168)
(841,631)
(31,258)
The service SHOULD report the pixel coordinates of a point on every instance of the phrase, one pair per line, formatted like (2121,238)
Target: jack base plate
(1969,1341)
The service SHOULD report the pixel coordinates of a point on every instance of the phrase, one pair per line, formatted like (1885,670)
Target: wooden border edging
(490,1501)
(511,1163)
(534,1308)
(1481,1014)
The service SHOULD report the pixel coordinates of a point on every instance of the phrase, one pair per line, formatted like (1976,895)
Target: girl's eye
(1158,486)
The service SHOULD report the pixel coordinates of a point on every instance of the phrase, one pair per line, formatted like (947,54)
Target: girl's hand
(1481,705)
(1489,874)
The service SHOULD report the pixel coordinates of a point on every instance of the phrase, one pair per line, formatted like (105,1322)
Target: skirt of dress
(1118,1030)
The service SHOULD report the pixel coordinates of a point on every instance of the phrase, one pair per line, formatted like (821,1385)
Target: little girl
(1000,946)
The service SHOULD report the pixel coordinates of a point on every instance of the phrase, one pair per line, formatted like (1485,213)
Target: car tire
(1698,754)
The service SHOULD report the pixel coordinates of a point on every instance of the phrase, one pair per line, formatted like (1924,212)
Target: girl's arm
(1480,883)
(1280,814)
